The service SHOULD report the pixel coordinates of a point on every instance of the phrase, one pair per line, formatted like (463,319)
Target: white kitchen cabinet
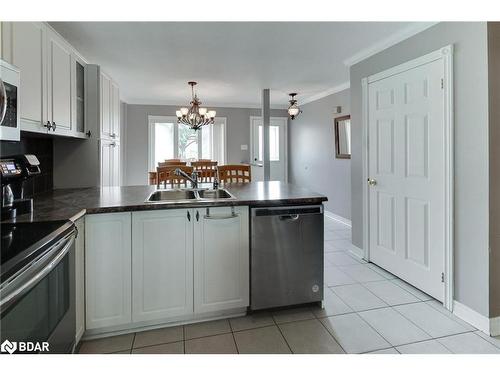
(221,259)
(162,264)
(24,45)
(109,108)
(106,125)
(110,162)
(59,82)
(115,111)
(80,279)
(108,273)
(48,67)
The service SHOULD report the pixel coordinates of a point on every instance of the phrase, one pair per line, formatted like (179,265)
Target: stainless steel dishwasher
(286,256)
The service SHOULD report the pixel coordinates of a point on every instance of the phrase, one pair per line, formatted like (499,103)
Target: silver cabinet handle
(53,126)
(222,217)
(112,135)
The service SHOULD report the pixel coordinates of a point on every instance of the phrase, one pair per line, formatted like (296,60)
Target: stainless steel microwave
(9,102)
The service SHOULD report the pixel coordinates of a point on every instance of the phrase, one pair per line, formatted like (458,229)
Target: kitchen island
(143,265)
(72,204)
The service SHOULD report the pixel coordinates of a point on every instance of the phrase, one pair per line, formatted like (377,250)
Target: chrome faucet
(193,178)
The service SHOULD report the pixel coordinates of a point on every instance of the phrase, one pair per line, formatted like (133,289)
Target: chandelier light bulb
(178,114)
(203,111)
(184,111)
(211,114)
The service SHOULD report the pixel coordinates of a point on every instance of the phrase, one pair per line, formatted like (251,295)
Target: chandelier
(196,116)
(293,109)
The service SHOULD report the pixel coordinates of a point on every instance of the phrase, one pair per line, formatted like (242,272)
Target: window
(169,140)
(274,143)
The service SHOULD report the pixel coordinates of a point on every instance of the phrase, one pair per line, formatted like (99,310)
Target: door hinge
(442,83)
(442,277)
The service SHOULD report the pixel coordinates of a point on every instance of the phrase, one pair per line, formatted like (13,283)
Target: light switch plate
(244,147)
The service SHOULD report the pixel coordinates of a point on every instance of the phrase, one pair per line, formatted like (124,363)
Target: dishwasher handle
(294,217)
(287,212)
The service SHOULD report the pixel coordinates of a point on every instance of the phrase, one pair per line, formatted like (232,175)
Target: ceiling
(233,62)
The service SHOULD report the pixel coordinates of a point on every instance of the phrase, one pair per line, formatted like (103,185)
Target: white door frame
(252,140)
(446,55)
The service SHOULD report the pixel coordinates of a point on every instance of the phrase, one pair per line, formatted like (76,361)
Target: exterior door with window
(277,144)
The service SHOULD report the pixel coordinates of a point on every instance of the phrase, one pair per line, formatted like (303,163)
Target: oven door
(9,103)
(38,305)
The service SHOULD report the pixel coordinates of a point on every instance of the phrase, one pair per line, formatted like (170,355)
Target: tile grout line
(232,334)
(331,334)
(184,338)
(282,335)
(133,343)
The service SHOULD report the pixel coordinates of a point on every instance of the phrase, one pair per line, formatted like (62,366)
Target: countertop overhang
(72,204)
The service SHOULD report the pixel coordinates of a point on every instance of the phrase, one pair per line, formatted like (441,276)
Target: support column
(266,119)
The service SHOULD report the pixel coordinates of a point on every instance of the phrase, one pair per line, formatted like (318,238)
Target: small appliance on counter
(14,172)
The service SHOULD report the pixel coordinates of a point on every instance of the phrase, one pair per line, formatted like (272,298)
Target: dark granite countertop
(74,203)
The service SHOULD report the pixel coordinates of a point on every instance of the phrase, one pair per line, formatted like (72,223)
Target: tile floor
(366,310)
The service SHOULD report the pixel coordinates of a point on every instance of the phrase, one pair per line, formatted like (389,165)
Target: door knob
(372,182)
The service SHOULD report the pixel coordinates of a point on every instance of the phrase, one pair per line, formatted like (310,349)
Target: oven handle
(15,295)
(3,101)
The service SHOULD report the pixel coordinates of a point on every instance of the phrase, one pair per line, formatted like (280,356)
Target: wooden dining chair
(167,175)
(206,169)
(234,173)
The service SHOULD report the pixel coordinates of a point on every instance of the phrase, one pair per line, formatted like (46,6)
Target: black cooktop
(24,242)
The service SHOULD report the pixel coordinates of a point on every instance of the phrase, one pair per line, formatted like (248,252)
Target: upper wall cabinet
(53,92)
(110,108)
(24,45)
(59,82)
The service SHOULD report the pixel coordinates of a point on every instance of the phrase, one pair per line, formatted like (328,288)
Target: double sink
(189,195)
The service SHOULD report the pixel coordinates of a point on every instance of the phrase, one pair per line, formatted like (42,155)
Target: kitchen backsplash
(44,150)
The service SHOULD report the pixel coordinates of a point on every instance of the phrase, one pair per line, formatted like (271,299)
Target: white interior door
(406,153)
(278,147)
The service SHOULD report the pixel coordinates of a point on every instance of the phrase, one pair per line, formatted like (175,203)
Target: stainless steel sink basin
(215,194)
(172,195)
(181,195)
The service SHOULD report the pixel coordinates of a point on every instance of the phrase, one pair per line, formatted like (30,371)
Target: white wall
(312,161)
(471,146)
(136,136)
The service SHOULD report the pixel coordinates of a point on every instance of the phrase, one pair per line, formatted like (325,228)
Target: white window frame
(172,119)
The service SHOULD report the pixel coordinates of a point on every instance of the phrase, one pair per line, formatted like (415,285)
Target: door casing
(285,142)
(446,55)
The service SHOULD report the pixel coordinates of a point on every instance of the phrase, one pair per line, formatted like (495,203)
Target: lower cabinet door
(221,259)
(80,279)
(108,270)
(162,259)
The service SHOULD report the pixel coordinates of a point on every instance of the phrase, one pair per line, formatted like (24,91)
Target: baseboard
(338,218)
(495,326)
(357,252)
(472,317)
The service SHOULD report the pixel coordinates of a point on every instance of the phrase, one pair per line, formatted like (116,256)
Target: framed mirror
(342,131)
